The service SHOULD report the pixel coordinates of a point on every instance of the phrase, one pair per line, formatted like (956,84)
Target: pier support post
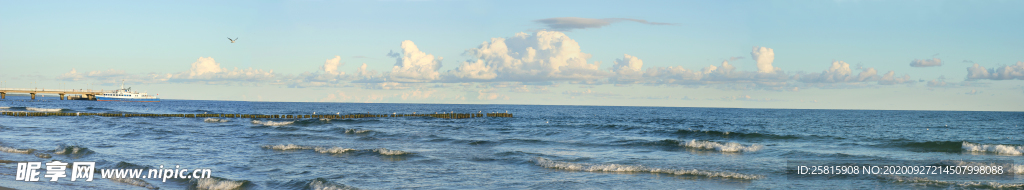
(3,95)
(61,96)
(33,95)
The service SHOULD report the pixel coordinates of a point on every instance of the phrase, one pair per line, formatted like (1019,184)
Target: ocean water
(542,147)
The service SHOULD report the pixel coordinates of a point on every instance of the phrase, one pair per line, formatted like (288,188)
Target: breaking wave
(135,182)
(43,109)
(332,150)
(727,147)
(272,123)
(384,151)
(72,150)
(323,184)
(15,150)
(993,148)
(287,147)
(215,120)
(543,162)
(215,183)
(322,150)
(356,131)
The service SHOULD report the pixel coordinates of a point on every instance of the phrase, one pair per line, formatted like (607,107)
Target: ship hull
(108,99)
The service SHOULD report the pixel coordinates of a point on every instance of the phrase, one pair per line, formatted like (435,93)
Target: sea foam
(15,150)
(215,120)
(384,151)
(272,123)
(727,147)
(993,148)
(218,184)
(322,184)
(547,163)
(43,109)
(332,150)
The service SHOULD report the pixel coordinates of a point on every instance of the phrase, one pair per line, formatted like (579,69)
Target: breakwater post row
(258,116)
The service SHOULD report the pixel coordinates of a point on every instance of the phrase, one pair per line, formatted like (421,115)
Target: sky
(884,55)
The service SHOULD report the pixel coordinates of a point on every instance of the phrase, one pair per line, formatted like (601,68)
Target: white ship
(126,95)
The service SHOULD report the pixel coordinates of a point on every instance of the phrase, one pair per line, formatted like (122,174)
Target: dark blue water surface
(542,147)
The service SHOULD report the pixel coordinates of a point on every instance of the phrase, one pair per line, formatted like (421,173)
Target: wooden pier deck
(63,93)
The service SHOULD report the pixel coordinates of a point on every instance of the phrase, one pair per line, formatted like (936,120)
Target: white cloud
(1008,72)
(890,79)
(327,75)
(413,65)
(490,94)
(627,70)
(926,62)
(840,72)
(764,58)
(208,70)
(331,66)
(72,75)
(543,56)
(570,23)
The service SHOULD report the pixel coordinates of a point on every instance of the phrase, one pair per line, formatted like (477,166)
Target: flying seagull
(232,41)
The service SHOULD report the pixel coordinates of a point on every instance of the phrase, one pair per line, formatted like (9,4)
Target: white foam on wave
(5,107)
(215,120)
(321,185)
(727,147)
(332,150)
(547,163)
(218,184)
(43,109)
(356,131)
(955,184)
(15,150)
(135,182)
(384,151)
(993,148)
(287,147)
(272,123)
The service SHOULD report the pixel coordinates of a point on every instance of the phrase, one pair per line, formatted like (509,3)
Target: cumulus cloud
(840,72)
(570,23)
(890,79)
(331,66)
(328,75)
(1008,72)
(627,70)
(764,58)
(926,62)
(543,56)
(206,69)
(413,65)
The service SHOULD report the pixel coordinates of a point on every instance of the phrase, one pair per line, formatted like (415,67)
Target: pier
(63,93)
(451,115)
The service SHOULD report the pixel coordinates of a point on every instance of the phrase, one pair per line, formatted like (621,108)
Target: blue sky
(823,54)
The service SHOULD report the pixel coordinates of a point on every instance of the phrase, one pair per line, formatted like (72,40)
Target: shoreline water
(547,147)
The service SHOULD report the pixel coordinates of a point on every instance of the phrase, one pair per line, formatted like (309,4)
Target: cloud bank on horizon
(543,57)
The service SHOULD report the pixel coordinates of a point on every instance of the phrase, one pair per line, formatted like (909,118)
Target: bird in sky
(232,41)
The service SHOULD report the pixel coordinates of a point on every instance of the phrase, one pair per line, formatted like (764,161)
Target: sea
(540,147)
